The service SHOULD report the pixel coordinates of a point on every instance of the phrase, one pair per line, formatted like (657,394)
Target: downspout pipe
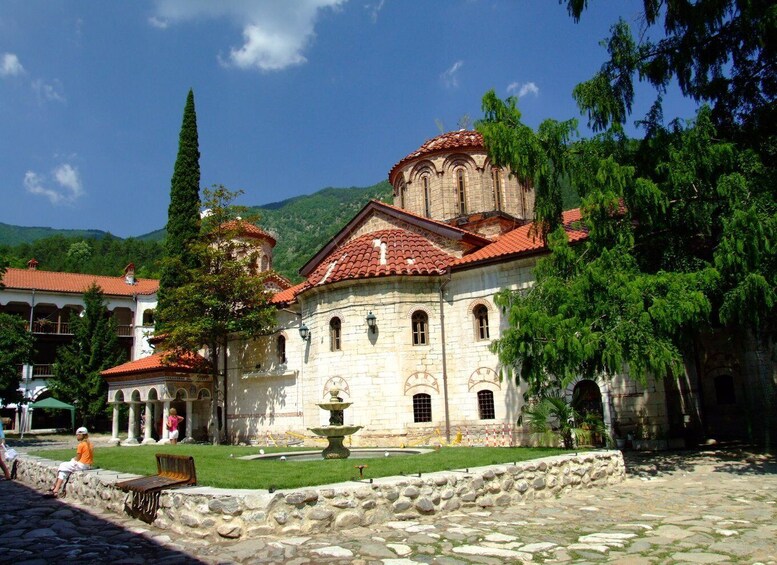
(443,284)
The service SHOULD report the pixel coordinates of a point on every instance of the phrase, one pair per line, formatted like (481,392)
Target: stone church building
(397,313)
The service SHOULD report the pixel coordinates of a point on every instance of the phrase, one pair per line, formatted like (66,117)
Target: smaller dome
(462,139)
(246,229)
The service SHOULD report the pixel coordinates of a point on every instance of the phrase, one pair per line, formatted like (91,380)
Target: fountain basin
(332,405)
(335,431)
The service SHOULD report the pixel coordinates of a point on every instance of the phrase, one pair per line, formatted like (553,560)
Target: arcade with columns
(149,388)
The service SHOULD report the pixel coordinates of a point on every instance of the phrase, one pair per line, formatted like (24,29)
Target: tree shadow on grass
(38,529)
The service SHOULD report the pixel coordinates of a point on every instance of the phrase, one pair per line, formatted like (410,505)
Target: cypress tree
(183,214)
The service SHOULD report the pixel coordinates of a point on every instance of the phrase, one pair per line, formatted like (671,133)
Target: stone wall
(208,512)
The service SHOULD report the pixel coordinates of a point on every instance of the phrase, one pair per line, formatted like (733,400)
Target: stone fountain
(336,431)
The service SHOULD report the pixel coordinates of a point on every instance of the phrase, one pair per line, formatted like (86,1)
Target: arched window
(422,407)
(427,200)
(148,317)
(265,263)
(523,188)
(486,405)
(496,179)
(481,322)
(461,191)
(281,349)
(420,323)
(334,334)
(402,191)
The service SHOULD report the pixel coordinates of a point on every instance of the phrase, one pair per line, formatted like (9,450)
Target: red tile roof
(381,253)
(247,229)
(28,279)
(185,362)
(360,258)
(373,207)
(518,241)
(278,279)
(290,294)
(462,139)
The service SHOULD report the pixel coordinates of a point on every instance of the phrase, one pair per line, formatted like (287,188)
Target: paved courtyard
(711,506)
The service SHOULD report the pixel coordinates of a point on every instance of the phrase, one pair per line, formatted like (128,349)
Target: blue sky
(291,96)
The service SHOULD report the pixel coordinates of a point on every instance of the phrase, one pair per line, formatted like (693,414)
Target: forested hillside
(304,224)
(301,225)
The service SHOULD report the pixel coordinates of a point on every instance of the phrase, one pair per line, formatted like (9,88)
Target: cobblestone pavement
(713,506)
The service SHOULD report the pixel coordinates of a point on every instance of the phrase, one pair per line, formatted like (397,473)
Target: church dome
(450,178)
(445,143)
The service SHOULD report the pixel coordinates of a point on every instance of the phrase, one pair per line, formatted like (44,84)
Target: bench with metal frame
(143,493)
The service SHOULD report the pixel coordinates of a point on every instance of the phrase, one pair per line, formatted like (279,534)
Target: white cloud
(450,77)
(158,23)
(10,65)
(275,33)
(48,91)
(523,89)
(67,189)
(374,9)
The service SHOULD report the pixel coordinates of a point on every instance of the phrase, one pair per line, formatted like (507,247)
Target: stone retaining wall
(209,512)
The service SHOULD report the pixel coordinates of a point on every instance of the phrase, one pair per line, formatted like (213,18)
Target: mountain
(14,235)
(301,225)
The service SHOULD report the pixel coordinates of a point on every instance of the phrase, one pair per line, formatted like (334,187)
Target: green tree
(721,53)
(183,214)
(539,159)
(16,348)
(681,223)
(222,299)
(95,348)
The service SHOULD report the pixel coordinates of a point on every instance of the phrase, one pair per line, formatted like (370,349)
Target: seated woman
(81,462)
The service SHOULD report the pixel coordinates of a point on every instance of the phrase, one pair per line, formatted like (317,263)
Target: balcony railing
(124,331)
(42,371)
(50,327)
(63,328)
(38,371)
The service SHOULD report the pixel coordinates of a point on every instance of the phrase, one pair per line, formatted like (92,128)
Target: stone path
(685,507)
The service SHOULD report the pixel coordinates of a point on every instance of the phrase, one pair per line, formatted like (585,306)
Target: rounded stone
(321,514)
(402,505)
(348,519)
(227,505)
(343,503)
(392,494)
(424,505)
(230,531)
(411,492)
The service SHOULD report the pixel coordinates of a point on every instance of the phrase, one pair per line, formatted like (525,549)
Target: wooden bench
(143,492)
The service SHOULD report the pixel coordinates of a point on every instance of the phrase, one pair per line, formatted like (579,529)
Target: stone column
(147,439)
(189,425)
(165,414)
(132,438)
(115,439)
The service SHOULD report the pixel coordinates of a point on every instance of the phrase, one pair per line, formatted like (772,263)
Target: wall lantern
(372,322)
(304,332)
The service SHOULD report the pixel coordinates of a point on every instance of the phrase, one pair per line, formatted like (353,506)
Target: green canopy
(57,405)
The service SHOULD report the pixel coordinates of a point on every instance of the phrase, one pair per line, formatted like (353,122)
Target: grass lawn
(216,466)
